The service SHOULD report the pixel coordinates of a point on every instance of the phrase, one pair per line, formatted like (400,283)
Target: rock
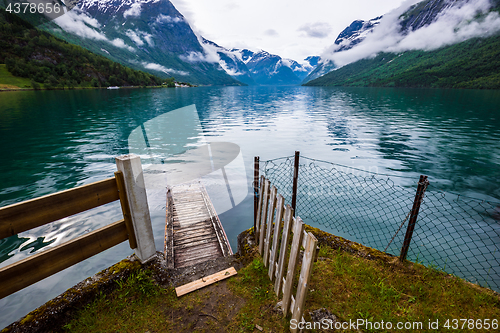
(323,315)
(279,307)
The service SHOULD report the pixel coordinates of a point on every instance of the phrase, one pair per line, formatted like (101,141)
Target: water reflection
(55,140)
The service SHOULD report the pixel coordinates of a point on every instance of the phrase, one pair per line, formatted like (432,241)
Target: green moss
(81,293)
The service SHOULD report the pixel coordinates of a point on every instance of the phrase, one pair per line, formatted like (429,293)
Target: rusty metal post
(295,179)
(422,186)
(255,190)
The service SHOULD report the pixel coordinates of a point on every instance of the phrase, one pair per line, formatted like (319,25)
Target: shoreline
(89,88)
(56,313)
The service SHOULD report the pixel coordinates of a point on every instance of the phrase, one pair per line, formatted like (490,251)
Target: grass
(349,286)
(356,288)
(139,305)
(9,81)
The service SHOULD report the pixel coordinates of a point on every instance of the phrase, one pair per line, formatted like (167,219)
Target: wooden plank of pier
(193,232)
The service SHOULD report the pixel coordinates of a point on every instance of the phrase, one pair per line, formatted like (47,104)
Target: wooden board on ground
(205,281)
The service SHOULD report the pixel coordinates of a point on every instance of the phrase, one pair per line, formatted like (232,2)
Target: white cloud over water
(455,24)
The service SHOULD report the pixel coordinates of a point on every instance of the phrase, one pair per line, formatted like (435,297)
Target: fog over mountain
(446,22)
(153,35)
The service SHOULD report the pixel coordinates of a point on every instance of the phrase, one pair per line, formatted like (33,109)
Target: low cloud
(232,6)
(200,57)
(134,37)
(138,37)
(271,32)
(79,23)
(168,19)
(316,30)
(118,42)
(229,70)
(134,10)
(455,24)
(161,68)
(148,38)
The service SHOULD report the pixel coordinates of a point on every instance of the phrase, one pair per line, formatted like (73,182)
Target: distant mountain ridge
(351,36)
(149,35)
(468,58)
(153,36)
(261,67)
(51,63)
(424,25)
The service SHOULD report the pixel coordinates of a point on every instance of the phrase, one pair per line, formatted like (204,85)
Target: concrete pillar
(131,167)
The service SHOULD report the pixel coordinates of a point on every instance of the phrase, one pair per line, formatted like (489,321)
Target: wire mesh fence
(454,233)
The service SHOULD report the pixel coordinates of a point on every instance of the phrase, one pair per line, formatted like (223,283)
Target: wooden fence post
(283,248)
(255,191)
(295,180)
(131,167)
(270,218)
(256,229)
(277,228)
(305,276)
(263,215)
(298,231)
(422,186)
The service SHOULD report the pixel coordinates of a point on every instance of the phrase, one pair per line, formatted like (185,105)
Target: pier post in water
(130,166)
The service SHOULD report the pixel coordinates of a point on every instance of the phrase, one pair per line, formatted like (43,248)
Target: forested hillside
(53,63)
(474,63)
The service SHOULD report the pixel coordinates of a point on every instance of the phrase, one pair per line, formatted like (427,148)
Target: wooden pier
(193,232)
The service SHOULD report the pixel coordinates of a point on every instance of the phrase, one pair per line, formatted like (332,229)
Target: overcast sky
(290,28)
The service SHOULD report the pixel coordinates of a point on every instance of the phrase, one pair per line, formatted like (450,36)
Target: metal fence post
(422,186)
(295,179)
(255,191)
(131,167)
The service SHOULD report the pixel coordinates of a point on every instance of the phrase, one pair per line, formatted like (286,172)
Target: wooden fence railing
(274,237)
(23,216)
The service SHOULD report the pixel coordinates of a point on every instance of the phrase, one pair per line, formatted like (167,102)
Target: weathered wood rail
(273,235)
(127,186)
(193,232)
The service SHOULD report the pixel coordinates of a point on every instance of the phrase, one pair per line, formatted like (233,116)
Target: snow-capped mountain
(260,67)
(424,25)
(354,34)
(149,35)
(267,68)
(231,63)
(152,35)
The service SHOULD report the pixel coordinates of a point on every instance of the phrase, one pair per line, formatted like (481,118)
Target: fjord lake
(56,140)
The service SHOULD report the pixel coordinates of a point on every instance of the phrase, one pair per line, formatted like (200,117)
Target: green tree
(35,85)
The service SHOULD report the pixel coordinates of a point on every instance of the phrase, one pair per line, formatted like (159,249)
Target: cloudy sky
(290,28)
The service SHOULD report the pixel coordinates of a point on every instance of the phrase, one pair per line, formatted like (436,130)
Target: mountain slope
(271,69)
(474,63)
(260,67)
(145,34)
(231,62)
(31,53)
(434,43)
(351,36)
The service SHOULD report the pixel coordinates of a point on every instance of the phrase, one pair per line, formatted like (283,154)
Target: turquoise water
(55,140)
